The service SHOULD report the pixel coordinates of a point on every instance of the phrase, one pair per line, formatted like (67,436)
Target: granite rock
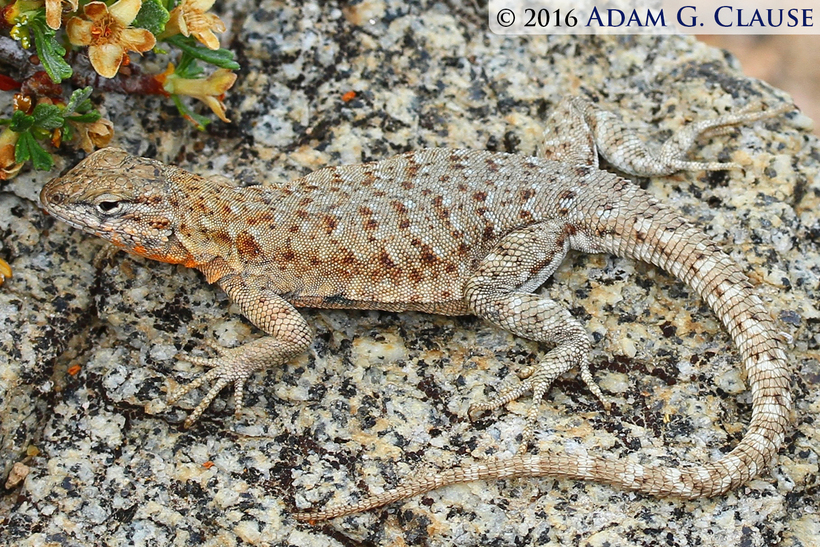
(88,352)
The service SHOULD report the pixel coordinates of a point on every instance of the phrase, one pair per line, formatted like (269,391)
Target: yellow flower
(8,167)
(208,90)
(190,18)
(108,34)
(54,12)
(93,135)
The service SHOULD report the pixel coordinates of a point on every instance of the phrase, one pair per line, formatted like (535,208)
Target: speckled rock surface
(379,396)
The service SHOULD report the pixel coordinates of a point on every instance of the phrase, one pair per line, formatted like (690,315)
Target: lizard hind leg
(499,291)
(579,130)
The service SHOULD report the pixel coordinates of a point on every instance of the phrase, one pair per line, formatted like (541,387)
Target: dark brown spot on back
(247,246)
(428,256)
(385,260)
(348,258)
(330,223)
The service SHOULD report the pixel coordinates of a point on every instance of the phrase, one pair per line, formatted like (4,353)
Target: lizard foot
(538,379)
(231,366)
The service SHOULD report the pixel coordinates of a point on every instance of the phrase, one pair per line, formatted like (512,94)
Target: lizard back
(398,234)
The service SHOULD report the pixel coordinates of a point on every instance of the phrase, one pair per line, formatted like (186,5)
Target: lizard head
(122,198)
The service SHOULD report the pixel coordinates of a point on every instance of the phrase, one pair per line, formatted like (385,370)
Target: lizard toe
(208,399)
(506,395)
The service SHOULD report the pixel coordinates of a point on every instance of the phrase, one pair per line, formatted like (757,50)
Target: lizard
(450,232)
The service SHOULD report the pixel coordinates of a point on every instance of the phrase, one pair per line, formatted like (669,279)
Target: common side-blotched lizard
(450,232)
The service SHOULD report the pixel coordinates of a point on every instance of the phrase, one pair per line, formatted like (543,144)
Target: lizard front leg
(288,336)
(499,291)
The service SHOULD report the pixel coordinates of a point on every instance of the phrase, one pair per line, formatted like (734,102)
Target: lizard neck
(207,224)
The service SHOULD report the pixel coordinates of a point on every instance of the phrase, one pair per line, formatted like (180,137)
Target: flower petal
(175,25)
(216,23)
(208,39)
(54,13)
(217,107)
(95,10)
(106,59)
(6,156)
(101,132)
(137,39)
(125,11)
(198,5)
(79,31)
(8,173)
(216,84)
(94,135)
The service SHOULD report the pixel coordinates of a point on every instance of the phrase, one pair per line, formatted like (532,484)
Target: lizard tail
(557,465)
(693,258)
(660,236)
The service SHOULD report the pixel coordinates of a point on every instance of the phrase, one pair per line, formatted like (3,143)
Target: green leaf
(68,133)
(223,58)
(188,67)
(21,149)
(199,121)
(152,16)
(48,116)
(49,51)
(27,148)
(20,121)
(88,117)
(78,102)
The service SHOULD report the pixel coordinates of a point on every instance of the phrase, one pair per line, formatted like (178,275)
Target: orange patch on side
(186,260)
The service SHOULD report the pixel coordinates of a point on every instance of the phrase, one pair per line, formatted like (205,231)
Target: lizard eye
(109,207)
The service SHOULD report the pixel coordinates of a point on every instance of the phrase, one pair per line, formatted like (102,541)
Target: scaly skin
(449,232)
